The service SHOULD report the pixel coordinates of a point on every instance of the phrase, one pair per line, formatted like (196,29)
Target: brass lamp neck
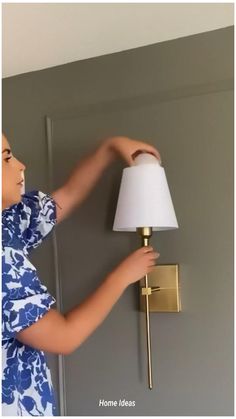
(145,233)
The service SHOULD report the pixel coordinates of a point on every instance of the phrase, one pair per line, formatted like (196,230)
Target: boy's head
(11,176)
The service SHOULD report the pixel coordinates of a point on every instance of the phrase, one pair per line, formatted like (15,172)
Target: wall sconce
(145,205)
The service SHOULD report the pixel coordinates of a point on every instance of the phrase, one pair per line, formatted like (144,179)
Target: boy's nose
(22,166)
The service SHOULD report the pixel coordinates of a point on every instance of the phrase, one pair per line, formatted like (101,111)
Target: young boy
(30,326)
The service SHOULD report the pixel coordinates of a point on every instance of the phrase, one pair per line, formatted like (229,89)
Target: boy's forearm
(84,319)
(88,171)
(62,334)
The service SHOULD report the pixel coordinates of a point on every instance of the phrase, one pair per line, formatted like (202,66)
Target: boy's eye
(8,158)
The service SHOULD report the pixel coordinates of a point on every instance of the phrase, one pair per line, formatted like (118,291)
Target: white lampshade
(144,197)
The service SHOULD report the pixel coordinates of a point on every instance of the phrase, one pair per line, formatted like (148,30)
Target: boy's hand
(136,265)
(126,148)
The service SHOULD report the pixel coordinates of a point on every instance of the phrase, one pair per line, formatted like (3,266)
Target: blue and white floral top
(26,380)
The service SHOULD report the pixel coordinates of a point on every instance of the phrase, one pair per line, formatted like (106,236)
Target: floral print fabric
(26,380)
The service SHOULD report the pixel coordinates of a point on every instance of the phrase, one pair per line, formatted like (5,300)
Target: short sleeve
(24,298)
(37,217)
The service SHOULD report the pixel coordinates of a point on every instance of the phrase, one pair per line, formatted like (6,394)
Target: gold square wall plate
(167,298)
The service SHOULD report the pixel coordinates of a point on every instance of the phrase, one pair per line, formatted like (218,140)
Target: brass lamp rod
(146,233)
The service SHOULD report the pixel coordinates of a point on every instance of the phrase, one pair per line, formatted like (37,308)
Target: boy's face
(11,176)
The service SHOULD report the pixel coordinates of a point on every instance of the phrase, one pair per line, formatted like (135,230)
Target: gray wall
(178,95)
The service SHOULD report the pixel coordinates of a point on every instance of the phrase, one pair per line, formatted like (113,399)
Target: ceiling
(36,36)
